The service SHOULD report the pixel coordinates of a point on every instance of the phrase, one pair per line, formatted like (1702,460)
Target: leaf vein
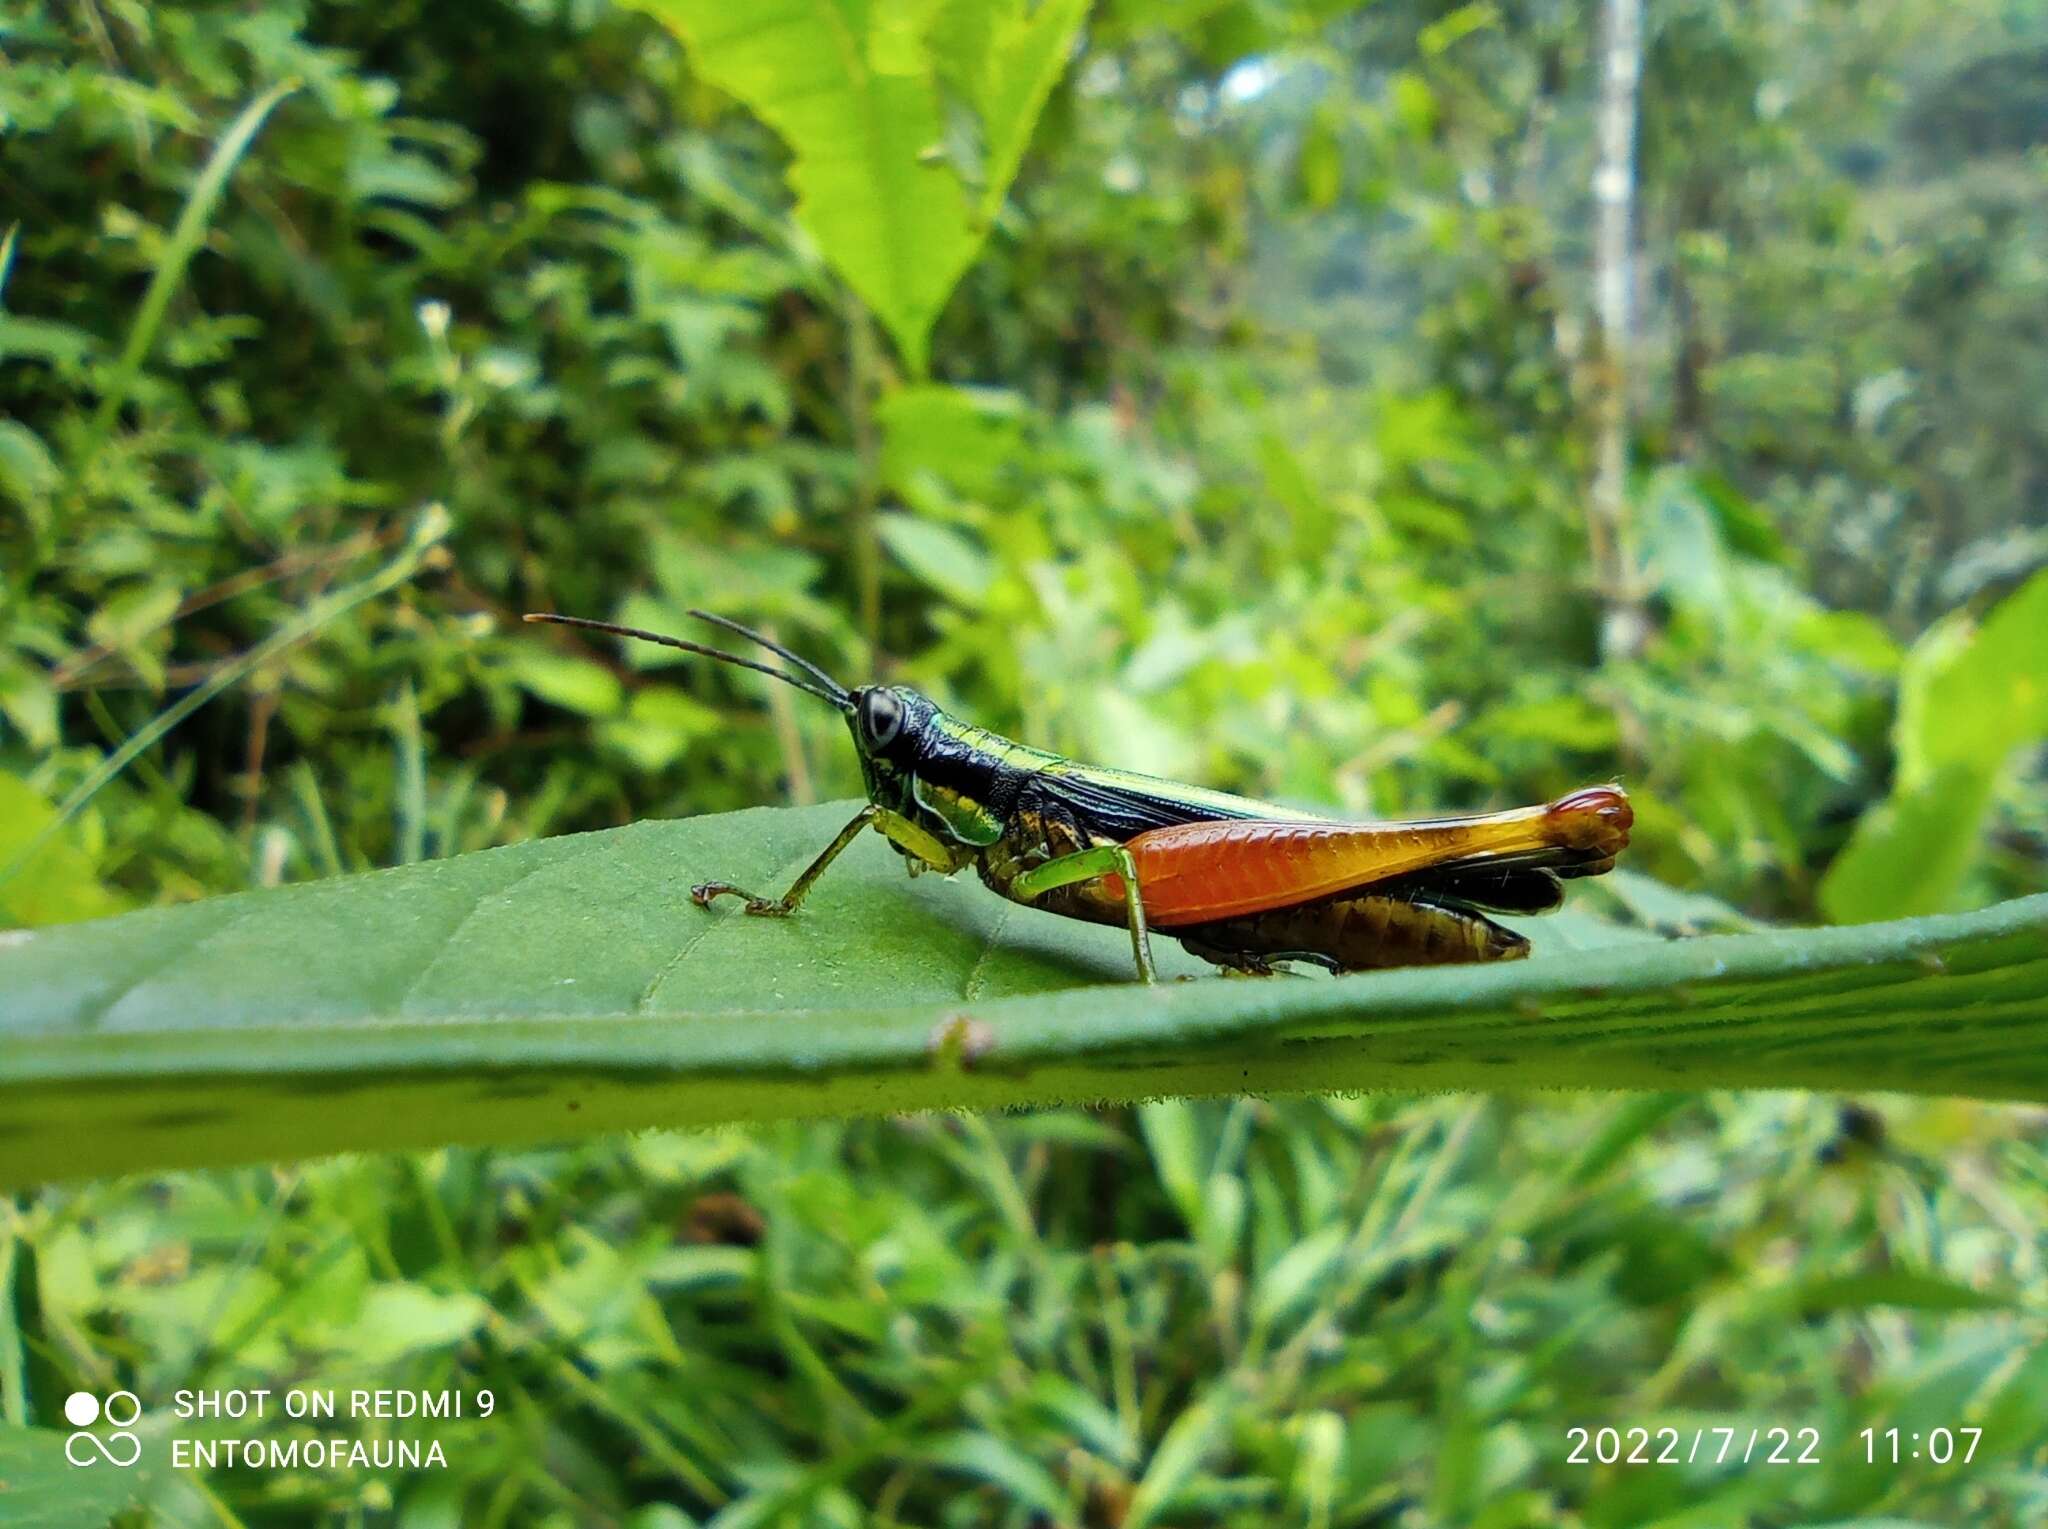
(654,986)
(504,889)
(96,1016)
(977,973)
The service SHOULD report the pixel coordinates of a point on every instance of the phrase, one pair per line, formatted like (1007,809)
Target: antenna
(828,689)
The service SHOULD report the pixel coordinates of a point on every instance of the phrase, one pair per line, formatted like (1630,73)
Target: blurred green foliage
(1252,449)
(1315,1312)
(1971,698)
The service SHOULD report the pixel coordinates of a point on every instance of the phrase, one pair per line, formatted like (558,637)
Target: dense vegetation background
(1255,446)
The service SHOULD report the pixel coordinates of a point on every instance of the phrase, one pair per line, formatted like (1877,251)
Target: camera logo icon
(82,1409)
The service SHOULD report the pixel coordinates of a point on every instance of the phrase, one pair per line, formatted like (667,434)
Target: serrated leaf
(858,91)
(569,986)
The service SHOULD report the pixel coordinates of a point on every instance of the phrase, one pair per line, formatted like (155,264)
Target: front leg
(705,893)
(1086,865)
(899,830)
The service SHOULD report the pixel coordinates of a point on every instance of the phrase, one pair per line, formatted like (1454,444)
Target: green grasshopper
(1243,884)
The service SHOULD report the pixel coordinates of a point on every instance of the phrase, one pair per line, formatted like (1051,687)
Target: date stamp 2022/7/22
(1762,1444)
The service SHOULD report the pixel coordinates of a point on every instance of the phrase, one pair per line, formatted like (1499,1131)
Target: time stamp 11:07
(1761,1445)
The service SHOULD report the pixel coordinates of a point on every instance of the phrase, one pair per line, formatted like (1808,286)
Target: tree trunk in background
(1614,181)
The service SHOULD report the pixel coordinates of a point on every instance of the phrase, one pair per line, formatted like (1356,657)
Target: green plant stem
(863,381)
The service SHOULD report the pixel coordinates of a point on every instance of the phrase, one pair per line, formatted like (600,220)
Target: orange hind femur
(1196,873)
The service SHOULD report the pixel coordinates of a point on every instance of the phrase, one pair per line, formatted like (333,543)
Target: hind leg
(1250,963)
(1241,963)
(1103,860)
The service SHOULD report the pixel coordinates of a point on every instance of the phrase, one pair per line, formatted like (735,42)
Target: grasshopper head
(895,729)
(889,723)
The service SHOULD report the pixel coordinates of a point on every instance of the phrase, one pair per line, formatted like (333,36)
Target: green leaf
(859,92)
(939,555)
(185,240)
(1668,910)
(1319,164)
(574,684)
(1969,697)
(568,986)
(58,883)
(1179,1455)
(28,473)
(962,436)
(1004,57)
(1911,851)
(1001,1464)
(1974,694)
(658,727)
(41,1489)
(29,702)
(1911,1289)
(399,1319)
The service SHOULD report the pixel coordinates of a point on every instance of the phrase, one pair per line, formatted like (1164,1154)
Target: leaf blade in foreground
(568,986)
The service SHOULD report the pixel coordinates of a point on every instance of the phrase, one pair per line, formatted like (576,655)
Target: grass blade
(186,237)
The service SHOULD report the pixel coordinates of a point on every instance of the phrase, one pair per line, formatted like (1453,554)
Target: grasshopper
(1240,883)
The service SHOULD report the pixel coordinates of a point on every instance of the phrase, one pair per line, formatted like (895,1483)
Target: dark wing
(1503,889)
(1119,811)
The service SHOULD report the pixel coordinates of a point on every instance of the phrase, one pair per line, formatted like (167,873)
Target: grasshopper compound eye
(881,716)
